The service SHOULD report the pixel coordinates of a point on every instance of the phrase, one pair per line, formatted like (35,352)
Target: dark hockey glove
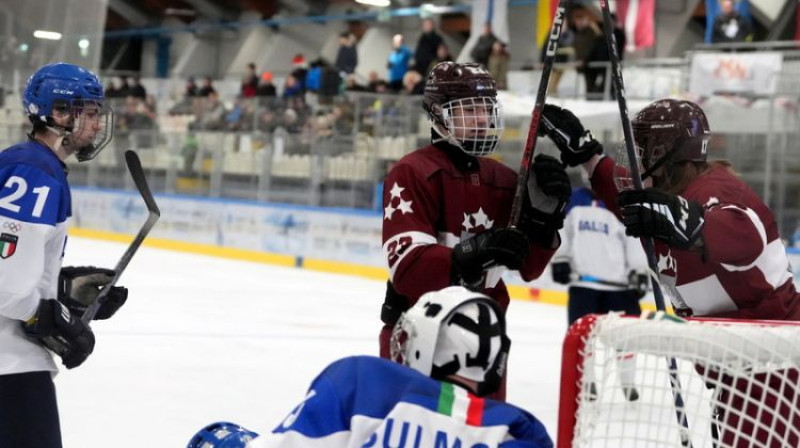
(62,332)
(577,145)
(561,272)
(470,258)
(638,283)
(78,287)
(549,191)
(670,218)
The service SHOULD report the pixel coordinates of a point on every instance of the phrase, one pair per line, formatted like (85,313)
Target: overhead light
(49,35)
(83,43)
(381,3)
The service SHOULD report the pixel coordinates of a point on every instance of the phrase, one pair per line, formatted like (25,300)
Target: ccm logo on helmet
(63,92)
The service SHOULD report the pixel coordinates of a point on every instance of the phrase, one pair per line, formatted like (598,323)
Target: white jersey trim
(395,247)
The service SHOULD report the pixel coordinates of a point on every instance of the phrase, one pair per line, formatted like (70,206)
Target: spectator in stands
(351,84)
(249,81)
(347,57)
(207,88)
(135,116)
(300,70)
(483,47)
(498,64)
(442,55)
(730,26)
(191,88)
(413,83)
(265,86)
(598,76)
(376,84)
(136,88)
(588,34)
(399,60)
(427,47)
(212,113)
(120,88)
(111,89)
(292,87)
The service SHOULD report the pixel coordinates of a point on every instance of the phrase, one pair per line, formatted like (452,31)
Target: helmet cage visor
(90,126)
(475,123)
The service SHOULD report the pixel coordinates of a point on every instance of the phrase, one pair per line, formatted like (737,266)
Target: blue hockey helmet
(222,435)
(75,92)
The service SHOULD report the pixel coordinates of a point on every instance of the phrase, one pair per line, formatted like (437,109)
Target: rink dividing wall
(318,239)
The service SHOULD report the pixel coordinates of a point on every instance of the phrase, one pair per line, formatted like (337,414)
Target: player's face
(471,121)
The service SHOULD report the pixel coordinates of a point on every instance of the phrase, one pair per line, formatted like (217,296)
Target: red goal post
(739,383)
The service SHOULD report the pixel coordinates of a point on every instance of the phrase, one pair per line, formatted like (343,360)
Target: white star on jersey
(403,205)
(479,218)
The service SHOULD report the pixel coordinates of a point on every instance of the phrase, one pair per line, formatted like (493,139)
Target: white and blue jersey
(363,401)
(35,203)
(593,241)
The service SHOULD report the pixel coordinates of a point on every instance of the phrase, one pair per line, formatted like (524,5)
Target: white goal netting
(630,382)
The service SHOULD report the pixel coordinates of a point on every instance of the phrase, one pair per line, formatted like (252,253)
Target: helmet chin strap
(445,136)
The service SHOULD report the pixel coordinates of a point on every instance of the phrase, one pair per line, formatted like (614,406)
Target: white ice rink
(203,339)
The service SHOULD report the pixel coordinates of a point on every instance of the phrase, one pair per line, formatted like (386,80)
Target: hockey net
(623,381)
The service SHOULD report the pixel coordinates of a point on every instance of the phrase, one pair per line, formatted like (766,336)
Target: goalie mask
(454,331)
(666,132)
(222,435)
(461,101)
(68,100)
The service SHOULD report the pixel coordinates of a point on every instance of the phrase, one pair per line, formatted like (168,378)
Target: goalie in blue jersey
(455,343)
(41,302)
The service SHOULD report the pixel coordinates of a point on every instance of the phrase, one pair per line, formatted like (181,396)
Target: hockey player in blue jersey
(41,302)
(455,343)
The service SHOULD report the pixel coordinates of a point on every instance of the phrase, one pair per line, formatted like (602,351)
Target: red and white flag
(638,20)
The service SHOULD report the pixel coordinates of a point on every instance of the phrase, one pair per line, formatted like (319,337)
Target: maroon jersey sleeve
(736,228)
(603,184)
(417,262)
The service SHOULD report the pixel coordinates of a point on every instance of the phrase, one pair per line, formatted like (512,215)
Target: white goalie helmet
(454,331)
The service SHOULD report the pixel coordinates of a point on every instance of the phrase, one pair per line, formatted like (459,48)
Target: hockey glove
(577,145)
(470,258)
(638,283)
(667,217)
(62,332)
(78,287)
(549,191)
(561,272)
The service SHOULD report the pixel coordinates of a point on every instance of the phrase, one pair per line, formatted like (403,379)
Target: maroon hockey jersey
(430,205)
(743,271)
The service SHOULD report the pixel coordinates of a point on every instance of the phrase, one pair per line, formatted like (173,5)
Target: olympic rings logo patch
(12,226)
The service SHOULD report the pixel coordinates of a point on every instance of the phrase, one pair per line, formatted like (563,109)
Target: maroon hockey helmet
(453,93)
(671,131)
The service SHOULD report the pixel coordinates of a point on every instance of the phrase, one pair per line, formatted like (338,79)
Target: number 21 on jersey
(12,197)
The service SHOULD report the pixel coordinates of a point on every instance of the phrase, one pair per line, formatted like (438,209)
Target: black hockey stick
(647,243)
(533,129)
(137,173)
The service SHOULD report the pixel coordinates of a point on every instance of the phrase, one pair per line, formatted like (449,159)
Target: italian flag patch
(8,245)
(460,405)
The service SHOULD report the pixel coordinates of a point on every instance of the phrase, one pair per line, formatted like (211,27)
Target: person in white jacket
(605,269)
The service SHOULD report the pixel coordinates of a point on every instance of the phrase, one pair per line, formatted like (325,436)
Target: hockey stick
(533,129)
(137,173)
(647,243)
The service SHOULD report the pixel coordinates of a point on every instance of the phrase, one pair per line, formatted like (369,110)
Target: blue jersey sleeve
(321,412)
